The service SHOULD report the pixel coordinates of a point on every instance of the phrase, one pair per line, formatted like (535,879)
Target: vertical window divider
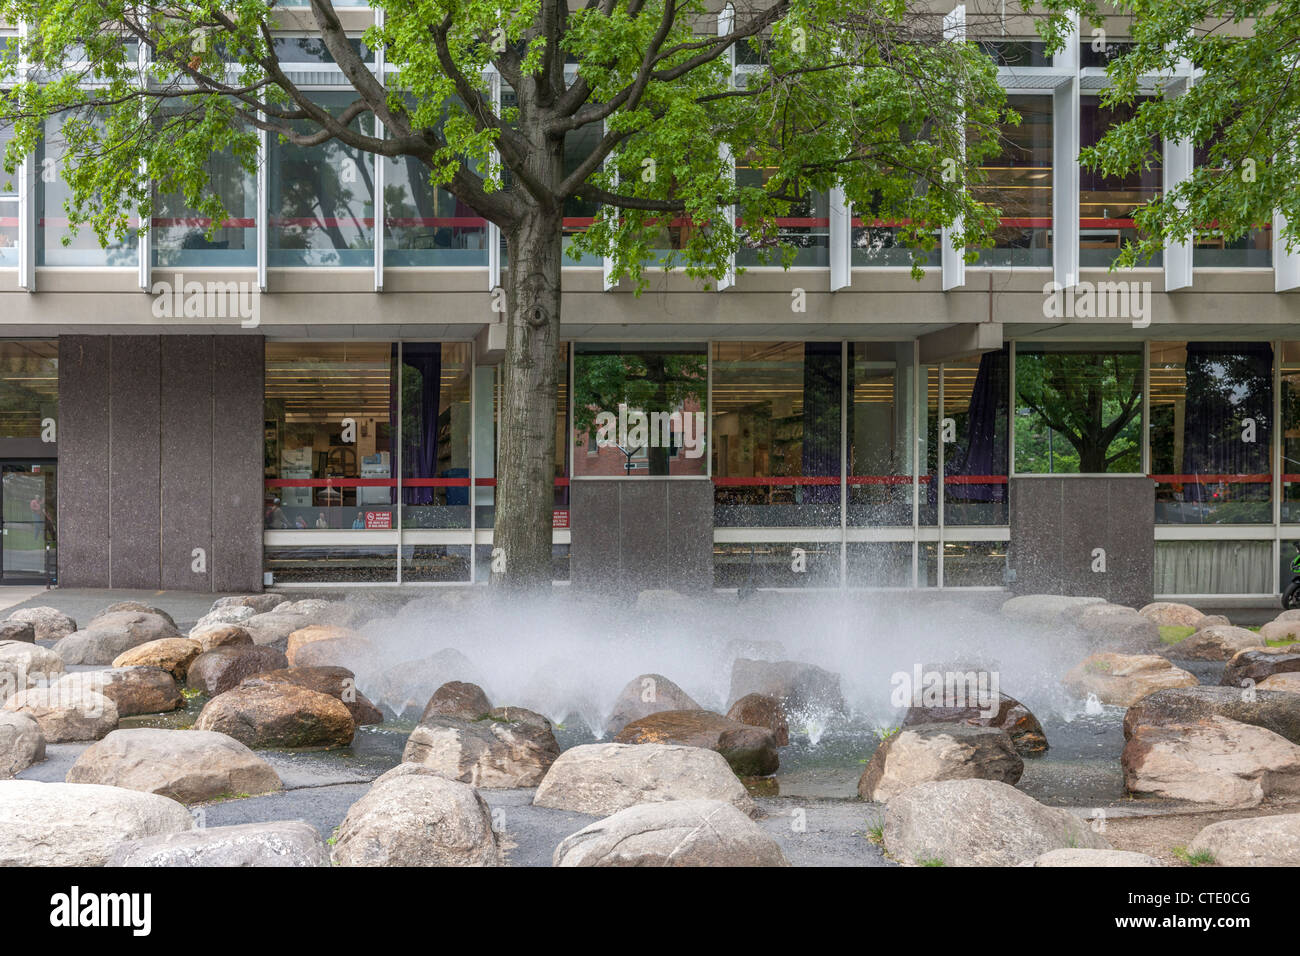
(941,488)
(1146,407)
(397,468)
(845,397)
(1278,460)
(378,204)
(919,428)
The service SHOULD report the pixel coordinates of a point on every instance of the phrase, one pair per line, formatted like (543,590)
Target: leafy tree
(866,95)
(1240,112)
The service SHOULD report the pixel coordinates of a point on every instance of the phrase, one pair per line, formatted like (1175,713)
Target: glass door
(27,522)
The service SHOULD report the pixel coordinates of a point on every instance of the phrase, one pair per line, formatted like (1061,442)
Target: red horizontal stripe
(1212,479)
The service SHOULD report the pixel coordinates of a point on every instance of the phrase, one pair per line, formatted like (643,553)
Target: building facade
(307,395)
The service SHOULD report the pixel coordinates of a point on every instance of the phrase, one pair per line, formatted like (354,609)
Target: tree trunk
(525,490)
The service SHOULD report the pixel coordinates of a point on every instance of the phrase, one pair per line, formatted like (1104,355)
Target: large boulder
(220,635)
(1114,627)
(345,652)
(759,710)
(21,743)
(78,824)
(1124,679)
(417,819)
(458,699)
(217,671)
(751,751)
(24,665)
(1288,683)
(172,654)
(81,714)
(283,716)
(1214,761)
(133,690)
(339,682)
(979,823)
(218,616)
(930,752)
(1170,614)
(187,765)
(1049,609)
(601,779)
(410,684)
(122,607)
(487,752)
(675,833)
(1015,718)
(312,633)
(801,688)
(1256,841)
(1074,857)
(1259,664)
(23,631)
(1272,710)
(260,603)
(645,695)
(50,623)
(282,843)
(1218,642)
(108,635)
(1288,630)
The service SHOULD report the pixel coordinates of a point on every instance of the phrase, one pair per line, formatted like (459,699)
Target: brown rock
(1015,718)
(339,682)
(1124,679)
(751,751)
(260,714)
(759,710)
(1170,614)
(221,635)
(645,695)
(1258,664)
(1218,642)
(1265,708)
(926,753)
(134,690)
(489,752)
(217,671)
(457,699)
(316,632)
(172,654)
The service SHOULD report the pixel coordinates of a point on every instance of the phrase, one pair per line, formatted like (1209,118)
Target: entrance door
(28,553)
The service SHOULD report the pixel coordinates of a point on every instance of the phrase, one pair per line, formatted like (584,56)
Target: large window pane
(776,433)
(805,227)
(1211,431)
(1107,203)
(639,410)
(1212,250)
(786,565)
(1019,184)
(330,444)
(29,387)
(425,225)
(881,433)
(1290,432)
(56,244)
(322,198)
(1214,567)
(1078,409)
(435,435)
(975,443)
(9,232)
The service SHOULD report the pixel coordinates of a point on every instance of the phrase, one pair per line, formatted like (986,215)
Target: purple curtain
(821,419)
(981,447)
(422,361)
(1227,383)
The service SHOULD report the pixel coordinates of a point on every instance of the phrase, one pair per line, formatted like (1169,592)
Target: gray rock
(260,603)
(24,665)
(1047,608)
(1171,614)
(111,634)
(929,752)
(217,671)
(233,614)
(274,627)
(417,819)
(487,752)
(131,606)
(1256,841)
(1257,664)
(457,699)
(1113,627)
(1093,858)
(1217,642)
(1277,711)
(80,714)
(133,690)
(410,684)
(23,631)
(979,823)
(189,766)
(674,833)
(283,843)
(601,779)
(645,695)
(51,624)
(21,743)
(800,687)
(77,824)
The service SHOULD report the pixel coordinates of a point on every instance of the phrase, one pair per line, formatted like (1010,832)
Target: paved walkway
(81,604)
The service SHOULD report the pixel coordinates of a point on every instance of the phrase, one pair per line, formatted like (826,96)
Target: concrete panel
(643,546)
(1057,525)
(83,461)
(690,535)
(186,483)
(237,462)
(593,545)
(134,461)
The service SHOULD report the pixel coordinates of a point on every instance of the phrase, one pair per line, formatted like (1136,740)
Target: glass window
(1016,52)
(29,387)
(1018,182)
(878,564)
(313,50)
(579,144)
(1214,567)
(1098,52)
(181,237)
(425,225)
(435,435)
(806,227)
(639,410)
(776,433)
(1290,432)
(322,198)
(339,564)
(974,564)
(785,565)
(440,563)
(1212,250)
(1078,409)
(330,441)
(973,434)
(1211,432)
(881,433)
(9,231)
(1107,203)
(56,244)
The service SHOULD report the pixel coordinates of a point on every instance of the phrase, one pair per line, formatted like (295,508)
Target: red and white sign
(559,519)
(379,520)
